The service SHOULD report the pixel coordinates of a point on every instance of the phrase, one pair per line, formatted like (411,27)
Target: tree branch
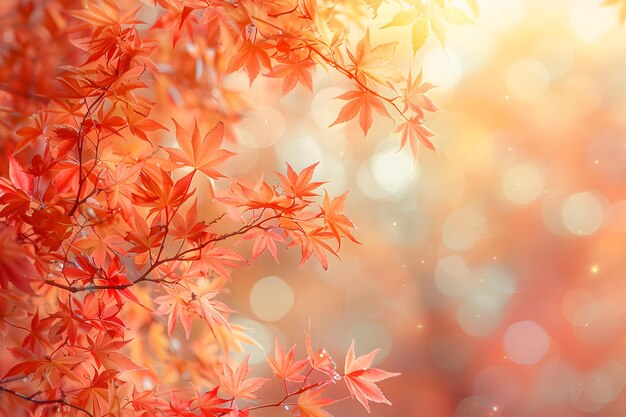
(59,401)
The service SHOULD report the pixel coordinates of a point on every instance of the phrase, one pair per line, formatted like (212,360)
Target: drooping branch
(59,401)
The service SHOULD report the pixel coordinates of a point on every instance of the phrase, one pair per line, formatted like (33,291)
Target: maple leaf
(106,13)
(188,227)
(18,176)
(143,237)
(264,239)
(100,313)
(37,339)
(232,339)
(415,98)
(422,16)
(312,241)
(176,306)
(204,154)
(139,124)
(119,185)
(299,185)
(105,350)
(179,407)
(320,360)
(361,379)
(177,18)
(95,397)
(211,310)
(374,5)
(311,402)
(373,63)
(147,402)
(12,307)
(31,133)
(361,102)
(415,133)
(261,196)
(15,266)
(237,385)
(68,322)
(44,368)
(101,248)
(293,72)
(164,193)
(338,223)
(16,202)
(285,366)
(252,55)
(209,402)
(220,259)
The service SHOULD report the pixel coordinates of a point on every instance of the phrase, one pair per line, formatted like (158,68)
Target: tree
(108,231)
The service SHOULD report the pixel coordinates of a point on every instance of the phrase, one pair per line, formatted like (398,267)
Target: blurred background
(493,272)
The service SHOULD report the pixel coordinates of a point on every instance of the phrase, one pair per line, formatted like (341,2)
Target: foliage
(110,238)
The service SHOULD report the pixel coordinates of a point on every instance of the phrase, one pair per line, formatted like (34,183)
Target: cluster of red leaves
(104,233)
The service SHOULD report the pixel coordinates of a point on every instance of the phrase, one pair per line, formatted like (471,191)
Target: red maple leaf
(15,266)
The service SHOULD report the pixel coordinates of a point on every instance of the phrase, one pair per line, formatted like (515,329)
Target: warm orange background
(493,273)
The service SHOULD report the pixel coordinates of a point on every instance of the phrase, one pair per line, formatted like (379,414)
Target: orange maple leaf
(338,224)
(361,379)
(321,360)
(285,366)
(237,385)
(175,306)
(252,56)
(361,102)
(264,239)
(209,403)
(205,154)
(95,397)
(293,71)
(312,241)
(414,132)
(415,97)
(311,402)
(299,185)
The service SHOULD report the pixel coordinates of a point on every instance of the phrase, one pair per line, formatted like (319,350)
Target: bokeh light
(525,342)
(492,271)
(582,213)
(271,298)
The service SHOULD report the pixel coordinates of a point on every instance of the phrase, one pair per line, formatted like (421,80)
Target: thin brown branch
(31,398)
(288,395)
(341,69)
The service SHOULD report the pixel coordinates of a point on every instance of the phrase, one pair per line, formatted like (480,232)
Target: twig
(59,401)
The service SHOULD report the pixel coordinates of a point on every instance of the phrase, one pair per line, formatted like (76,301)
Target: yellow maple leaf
(423,16)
